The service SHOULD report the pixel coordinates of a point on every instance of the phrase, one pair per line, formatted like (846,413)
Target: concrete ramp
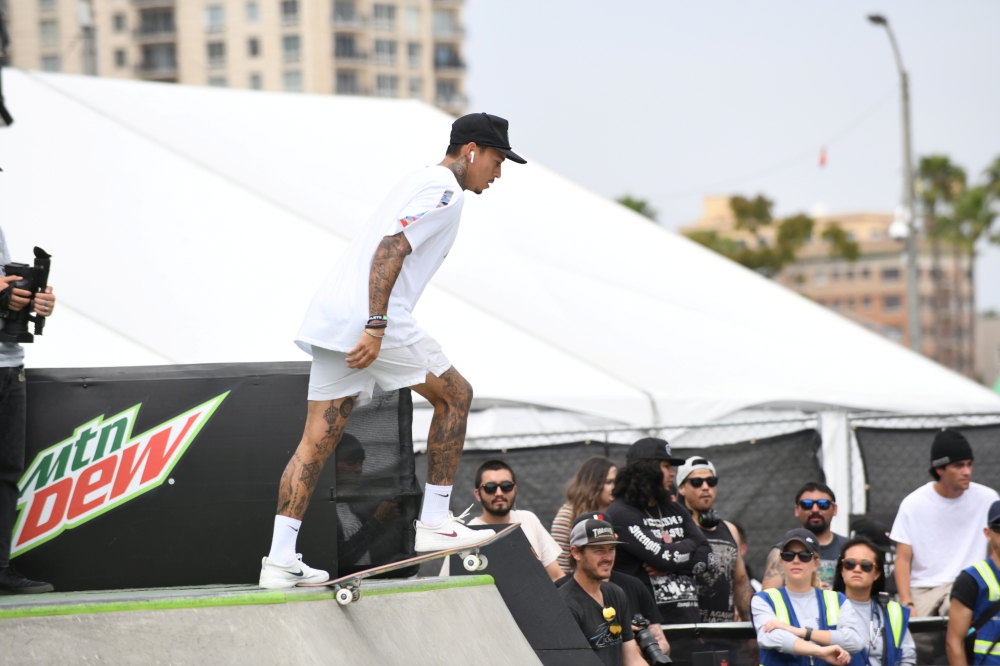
(440,621)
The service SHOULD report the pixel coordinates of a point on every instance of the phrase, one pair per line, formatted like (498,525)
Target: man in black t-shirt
(640,599)
(600,608)
(663,546)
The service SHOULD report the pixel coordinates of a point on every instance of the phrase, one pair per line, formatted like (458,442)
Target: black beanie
(949,446)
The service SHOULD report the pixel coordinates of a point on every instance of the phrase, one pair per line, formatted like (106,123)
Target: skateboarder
(360,330)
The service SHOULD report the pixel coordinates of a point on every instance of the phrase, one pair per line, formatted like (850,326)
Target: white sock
(286,531)
(437,500)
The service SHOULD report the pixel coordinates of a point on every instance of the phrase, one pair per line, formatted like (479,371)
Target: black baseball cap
(652,448)
(802,535)
(484,130)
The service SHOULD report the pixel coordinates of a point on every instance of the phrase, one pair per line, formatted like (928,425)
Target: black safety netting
(376,492)
(896,460)
(757,486)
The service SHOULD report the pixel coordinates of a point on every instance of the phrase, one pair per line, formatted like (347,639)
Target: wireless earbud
(472,157)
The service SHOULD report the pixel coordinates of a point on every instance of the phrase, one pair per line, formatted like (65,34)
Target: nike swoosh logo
(440,495)
(297,573)
(453,534)
(293,528)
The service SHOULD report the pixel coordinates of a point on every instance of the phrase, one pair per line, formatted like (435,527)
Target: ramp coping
(75,603)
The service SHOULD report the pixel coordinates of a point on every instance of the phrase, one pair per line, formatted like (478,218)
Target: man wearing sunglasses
(496,490)
(815,507)
(725,588)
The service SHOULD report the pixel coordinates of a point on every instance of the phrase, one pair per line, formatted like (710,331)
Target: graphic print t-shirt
(715,586)
(828,556)
(426,207)
(600,632)
(680,558)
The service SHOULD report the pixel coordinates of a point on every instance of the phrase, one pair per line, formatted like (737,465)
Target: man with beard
(725,588)
(496,490)
(600,607)
(815,507)
(663,546)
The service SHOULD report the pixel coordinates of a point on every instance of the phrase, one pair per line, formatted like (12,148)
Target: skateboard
(349,587)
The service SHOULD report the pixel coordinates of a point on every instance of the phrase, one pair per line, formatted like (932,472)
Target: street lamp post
(912,293)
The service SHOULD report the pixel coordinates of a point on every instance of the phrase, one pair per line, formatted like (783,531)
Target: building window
(413,54)
(46,5)
(384,16)
(292,81)
(291,48)
(385,51)
(215,18)
(256,82)
(51,63)
(836,304)
(866,302)
(156,21)
(343,11)
(894,333)
(849,274)
(443,23)
(446,56)
(347,83)
(345,46)
(387,85)
(820,277)
(866,274)
(289,12)
(253,47)
(120,58)
(890,275)
(875,234)
(159,57)
(253,12)
(49,33)
(834,275)
(217,81)
(416,87)
(891,303)
(119,22)
(216,54)
(413,20)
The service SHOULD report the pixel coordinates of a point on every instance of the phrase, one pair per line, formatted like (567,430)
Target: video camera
(34,279)
(647,642)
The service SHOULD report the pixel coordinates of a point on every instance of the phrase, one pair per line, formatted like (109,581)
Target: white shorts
(330,378)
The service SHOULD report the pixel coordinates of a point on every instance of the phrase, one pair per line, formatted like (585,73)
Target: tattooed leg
(324,425)
(451,396)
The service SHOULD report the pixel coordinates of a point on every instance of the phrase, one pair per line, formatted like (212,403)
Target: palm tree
(939,182)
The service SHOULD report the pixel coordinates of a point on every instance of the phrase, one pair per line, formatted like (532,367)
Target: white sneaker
(274,575)
(452,533)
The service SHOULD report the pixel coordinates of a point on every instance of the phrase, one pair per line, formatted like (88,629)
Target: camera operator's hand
(366,351)
(45,302)
(19,297)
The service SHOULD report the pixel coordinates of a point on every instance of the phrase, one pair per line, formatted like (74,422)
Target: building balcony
(384,60)
(453,103)
(449,66)
(350,22)
(154,36)
(356,58)
(154,72)
(146,4)
(454,33)
(384,24)
(448,3)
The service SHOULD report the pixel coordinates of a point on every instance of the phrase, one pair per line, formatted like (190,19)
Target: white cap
(690,465)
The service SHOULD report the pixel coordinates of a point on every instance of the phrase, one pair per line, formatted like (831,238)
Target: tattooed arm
(386,265)
(774,574)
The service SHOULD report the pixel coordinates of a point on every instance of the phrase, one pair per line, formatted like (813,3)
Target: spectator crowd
(644,543)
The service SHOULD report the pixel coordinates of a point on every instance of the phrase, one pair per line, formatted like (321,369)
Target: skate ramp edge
(439,621)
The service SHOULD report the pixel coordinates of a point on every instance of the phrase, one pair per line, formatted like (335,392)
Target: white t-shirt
(427,207)
(545,546)
(946,534)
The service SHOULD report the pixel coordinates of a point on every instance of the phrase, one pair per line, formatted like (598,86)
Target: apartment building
(403,49)
(872,290)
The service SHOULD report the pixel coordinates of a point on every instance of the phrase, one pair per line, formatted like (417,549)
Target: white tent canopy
(192,225)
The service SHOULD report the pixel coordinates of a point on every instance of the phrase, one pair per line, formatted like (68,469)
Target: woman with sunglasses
(590,489)
(859,575)
(799,621)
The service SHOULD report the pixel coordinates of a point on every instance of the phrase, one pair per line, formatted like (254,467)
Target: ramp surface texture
(410,622)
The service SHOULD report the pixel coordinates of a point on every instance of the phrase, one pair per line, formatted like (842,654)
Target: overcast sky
(673,101)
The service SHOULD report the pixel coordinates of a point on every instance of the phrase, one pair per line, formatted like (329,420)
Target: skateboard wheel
(483,563)
(471,562)
(355,594)
(345,596)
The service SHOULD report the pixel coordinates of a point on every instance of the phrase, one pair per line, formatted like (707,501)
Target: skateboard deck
(349,587)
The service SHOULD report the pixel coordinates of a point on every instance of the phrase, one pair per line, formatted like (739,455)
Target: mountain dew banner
(168,476)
